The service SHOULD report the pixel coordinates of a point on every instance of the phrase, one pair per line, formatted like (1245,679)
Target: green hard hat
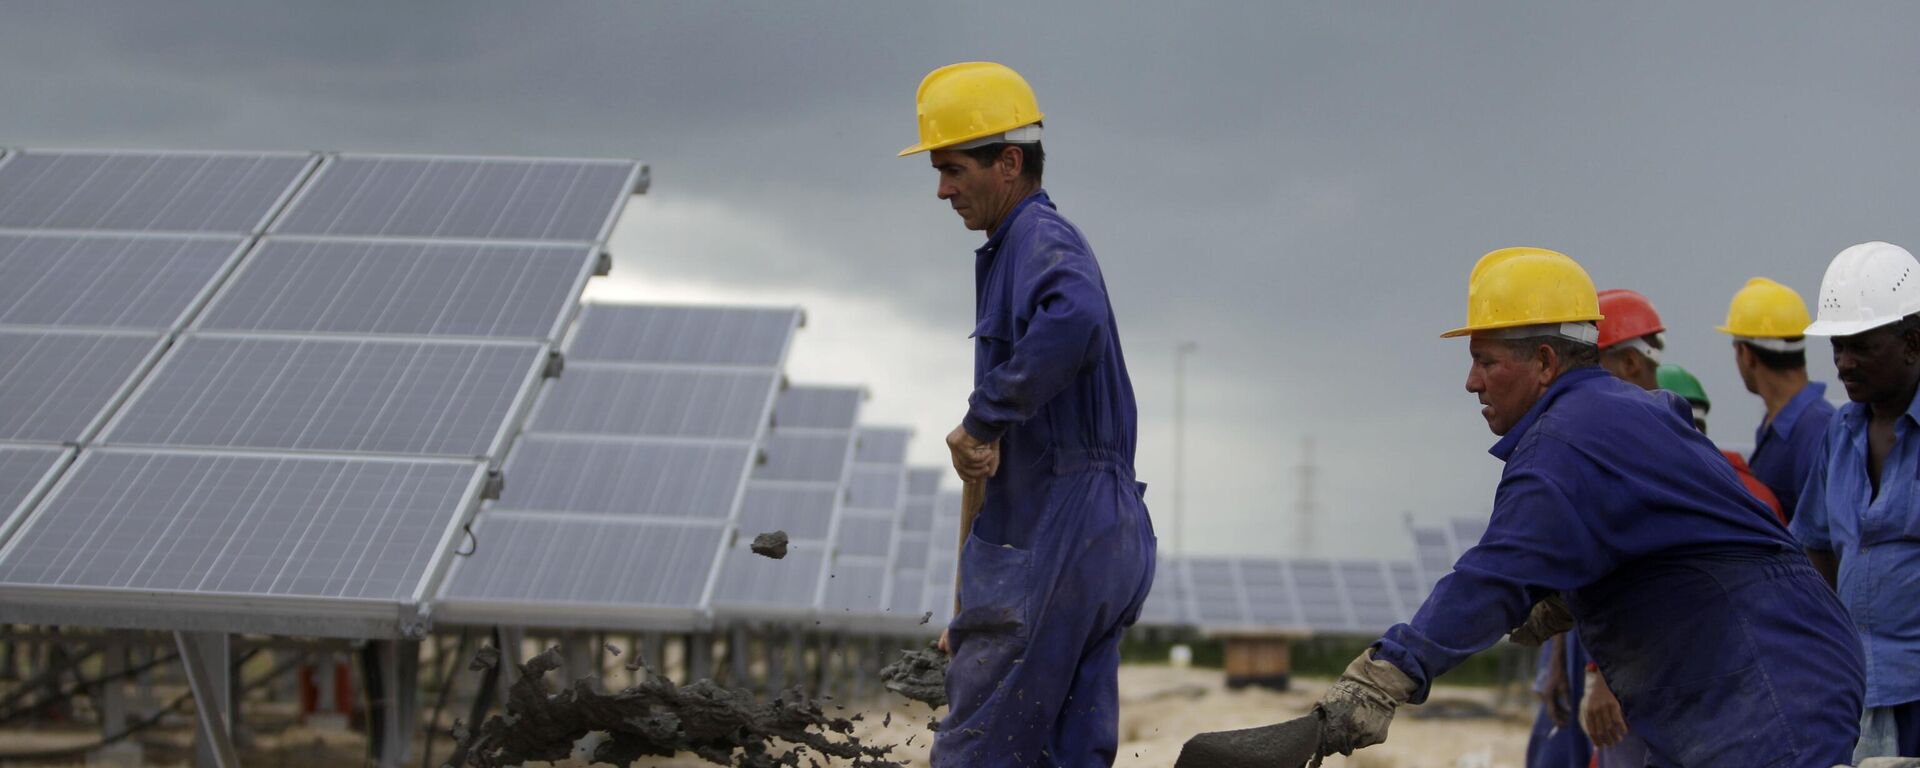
(1675,379)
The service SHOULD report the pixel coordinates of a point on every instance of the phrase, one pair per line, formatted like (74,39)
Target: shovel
(1286,745)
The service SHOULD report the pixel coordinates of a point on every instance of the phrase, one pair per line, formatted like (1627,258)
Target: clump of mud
(658,719)
(772,545)
(919,675)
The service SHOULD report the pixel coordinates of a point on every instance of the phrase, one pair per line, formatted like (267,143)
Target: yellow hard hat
(1764,309)
(961,102)
(1514,287)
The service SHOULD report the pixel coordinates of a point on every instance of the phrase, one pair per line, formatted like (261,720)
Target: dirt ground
(1161,707)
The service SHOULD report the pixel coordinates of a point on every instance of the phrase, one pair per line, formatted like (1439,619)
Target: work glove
(1359,707)
(1549,617)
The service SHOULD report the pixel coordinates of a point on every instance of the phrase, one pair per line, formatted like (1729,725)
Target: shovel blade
(1287,745)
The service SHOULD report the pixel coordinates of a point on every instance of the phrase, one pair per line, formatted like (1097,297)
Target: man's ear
(1549,362)
(1012,161)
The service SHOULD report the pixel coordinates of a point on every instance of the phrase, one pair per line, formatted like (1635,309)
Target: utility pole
(1180,353)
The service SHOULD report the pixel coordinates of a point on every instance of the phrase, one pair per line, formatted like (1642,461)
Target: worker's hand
(1600,713)
(1359,706)
(1556,695)
(1549,617)
(972,459)
(945,647)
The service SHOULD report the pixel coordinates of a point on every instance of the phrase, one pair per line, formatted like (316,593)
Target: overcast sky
(1300,189)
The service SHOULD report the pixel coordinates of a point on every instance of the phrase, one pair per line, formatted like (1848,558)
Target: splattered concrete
(1284,745)
(772,545)
(919,675)
(724,726)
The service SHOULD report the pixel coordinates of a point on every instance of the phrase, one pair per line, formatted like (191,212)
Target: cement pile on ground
(919,675)
(658,719)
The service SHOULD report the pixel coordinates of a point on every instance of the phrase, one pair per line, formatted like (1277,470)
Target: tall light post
(1180,353)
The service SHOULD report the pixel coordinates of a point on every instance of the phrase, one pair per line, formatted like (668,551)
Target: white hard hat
(1867,286)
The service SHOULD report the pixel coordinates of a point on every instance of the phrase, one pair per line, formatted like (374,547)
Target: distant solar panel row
(868,540)
(1221,594)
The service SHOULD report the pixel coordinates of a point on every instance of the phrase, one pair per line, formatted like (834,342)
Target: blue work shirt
(1878,542)
(1685,588)
(1050,382)
(1787,448)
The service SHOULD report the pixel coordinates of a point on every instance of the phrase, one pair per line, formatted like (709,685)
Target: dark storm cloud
(1300,188)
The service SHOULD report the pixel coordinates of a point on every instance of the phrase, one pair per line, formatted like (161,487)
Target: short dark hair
(1033,157)
(1778,361)
(1572,354)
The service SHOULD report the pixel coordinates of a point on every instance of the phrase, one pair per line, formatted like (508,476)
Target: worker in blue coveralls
(1768,323)
(1724,646)
(1859,516)
(1061,552)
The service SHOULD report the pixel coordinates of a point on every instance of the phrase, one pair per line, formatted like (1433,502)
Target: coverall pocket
(1729,721)
(993,588)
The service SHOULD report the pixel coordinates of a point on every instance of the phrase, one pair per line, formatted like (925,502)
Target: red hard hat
(1626,315)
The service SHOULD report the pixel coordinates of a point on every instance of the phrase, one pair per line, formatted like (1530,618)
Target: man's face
(1876,366)
(977,192)
(1507,385)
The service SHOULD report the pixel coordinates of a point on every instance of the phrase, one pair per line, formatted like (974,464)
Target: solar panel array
(263,433)
(943,558)
(809,451)
(907,595)
(627,486)
(859,587)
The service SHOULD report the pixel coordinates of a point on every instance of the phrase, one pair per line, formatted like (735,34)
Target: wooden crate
(1264,661)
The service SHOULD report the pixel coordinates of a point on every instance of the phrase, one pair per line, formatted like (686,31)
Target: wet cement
(919,675)
(724,726)
(772,545)
(1284,745)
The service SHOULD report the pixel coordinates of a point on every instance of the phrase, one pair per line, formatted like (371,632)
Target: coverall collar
(1505,448)
(1782,424)
(1000,232)
(1856,414)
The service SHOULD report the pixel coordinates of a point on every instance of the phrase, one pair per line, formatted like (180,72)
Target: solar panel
(1466,534)
(1431,552)
(1408,587)
(241,542)
(925,481)
(788,587)
(146,191)
(683,335)
(1271,601)
(332,394)
(462,198)
(409,288)
(803,511)
(881,445)
(542,570)
(1217,595)
(859,587)
(1375,606)
(108,281)
(865,534)
(593,399)
(909,594)
(1322,605)
(25,471)
(875,486)
(804,457)
(56,386)
(818,407)
(624,478)
(1166,604)
(943,558)
(912,551)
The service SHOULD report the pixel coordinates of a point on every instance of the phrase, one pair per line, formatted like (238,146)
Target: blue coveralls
(1786,449)
(1725,648)
(1061,555)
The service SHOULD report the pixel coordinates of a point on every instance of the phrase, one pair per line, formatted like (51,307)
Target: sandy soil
(1161,708)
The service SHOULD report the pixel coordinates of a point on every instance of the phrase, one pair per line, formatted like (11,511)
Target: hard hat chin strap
(1640,344)
(1026,134)
(1585,333)
(1774,345)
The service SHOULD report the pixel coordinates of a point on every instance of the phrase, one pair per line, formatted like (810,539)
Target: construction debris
(724,726)
(772,545)
(919,675)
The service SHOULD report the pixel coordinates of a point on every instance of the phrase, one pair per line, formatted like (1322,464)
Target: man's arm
(1063,335)
(1810,515)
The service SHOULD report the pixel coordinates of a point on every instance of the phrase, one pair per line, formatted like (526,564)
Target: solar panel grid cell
(146,191)
(683,335)
(57,386)
(607,561)
(461,198)
(107,281)
(597,400)
(624,478)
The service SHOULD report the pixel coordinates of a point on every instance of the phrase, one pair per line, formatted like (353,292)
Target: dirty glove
(1549,617)
(1359,707)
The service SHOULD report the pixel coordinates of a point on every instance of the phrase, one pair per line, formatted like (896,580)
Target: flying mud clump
(919,675)
(724,726)
(772,545)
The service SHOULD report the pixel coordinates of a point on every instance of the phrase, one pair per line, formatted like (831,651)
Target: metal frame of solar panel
(943,559)
(613,515)
(811,426)
(112,189)
(336,202)
(131,200)
(907,595)
(860,587)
